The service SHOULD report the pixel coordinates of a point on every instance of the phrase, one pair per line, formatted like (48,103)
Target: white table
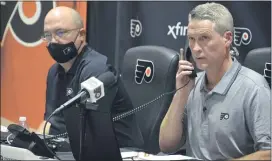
(15,153)
(145,156)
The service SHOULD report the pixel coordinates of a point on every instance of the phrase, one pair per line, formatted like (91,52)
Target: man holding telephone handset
(223,113)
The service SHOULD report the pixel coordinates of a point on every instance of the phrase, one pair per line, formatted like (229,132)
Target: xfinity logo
(177,30)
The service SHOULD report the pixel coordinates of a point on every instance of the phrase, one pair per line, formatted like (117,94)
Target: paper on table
(129,154)
(4,128)
(145,156)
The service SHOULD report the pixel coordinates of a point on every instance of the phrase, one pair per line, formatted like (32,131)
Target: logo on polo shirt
(224,116)
(69,91)
(144,71)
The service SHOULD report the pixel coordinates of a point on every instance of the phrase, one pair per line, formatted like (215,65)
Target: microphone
(29,140)
(92,90)
(95,86)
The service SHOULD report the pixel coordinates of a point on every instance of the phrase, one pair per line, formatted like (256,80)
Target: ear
(228,38)
(82,34)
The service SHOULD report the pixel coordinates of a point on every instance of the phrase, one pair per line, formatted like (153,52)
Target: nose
(53,39)
(196,48)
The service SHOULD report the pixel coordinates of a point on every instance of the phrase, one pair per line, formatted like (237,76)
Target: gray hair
(216,13)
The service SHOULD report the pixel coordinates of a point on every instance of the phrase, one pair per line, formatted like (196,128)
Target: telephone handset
(28,140)
(187,55)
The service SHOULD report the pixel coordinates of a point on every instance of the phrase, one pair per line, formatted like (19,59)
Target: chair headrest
(147,72)
(259,60)
(148,68)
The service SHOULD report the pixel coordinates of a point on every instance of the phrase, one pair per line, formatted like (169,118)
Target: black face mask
(62,53)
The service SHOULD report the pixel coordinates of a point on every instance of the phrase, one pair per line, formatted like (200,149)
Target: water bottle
(23,123)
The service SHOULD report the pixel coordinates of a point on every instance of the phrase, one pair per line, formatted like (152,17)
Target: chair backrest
(259,60)
(147,72)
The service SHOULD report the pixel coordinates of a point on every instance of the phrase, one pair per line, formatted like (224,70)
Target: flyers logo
(67,50)
(267,73)
(144,71)
(24,20)
(224,116)
(135,28)
(242,36)
(69,91)
(22,24)
(97,92)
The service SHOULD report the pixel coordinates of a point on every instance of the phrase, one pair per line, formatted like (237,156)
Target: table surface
(127,154)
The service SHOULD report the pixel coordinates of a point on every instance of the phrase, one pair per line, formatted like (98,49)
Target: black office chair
(259,60)
(147,72)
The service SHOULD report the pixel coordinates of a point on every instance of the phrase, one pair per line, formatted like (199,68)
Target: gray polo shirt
(233,119)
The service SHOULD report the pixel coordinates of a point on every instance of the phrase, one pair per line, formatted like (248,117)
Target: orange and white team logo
(144,71)
(24,58)
(25,21)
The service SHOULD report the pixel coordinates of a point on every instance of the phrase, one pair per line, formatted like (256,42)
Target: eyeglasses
(60,33)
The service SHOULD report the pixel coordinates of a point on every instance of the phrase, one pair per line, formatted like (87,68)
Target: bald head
(64,25)
(67,15)
(77,18)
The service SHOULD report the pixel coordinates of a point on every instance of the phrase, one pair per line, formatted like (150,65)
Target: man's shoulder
(252,78)
(93,57)
(93,64)
(54,66)
(53,69)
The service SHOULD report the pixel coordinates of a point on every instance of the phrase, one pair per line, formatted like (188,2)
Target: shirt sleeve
(48,109)
(259,119)
(50,106)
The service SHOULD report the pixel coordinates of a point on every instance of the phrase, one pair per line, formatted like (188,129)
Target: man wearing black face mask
(76,62)
(63,53)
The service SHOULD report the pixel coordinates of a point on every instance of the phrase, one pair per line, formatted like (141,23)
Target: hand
(40,129)
(182,76)
(184,70)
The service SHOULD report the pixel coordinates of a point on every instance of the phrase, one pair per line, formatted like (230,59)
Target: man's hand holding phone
(185,69)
